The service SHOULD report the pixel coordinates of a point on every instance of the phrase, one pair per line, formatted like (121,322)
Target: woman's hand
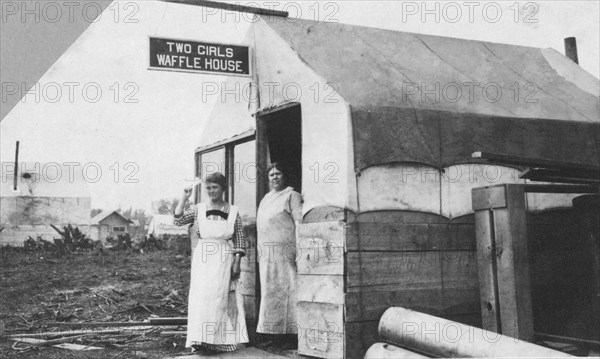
(184,198)
(235,268)
(187,192)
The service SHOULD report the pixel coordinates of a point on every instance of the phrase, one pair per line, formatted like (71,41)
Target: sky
(95,103)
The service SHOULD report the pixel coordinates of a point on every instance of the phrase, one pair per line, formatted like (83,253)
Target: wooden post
(16,166)
(262,188)
(501,231)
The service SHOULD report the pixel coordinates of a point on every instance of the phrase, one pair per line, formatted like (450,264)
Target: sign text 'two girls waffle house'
(192,56)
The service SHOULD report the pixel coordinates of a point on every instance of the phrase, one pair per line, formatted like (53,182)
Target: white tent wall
(327,163)
(155,122)
(234,103)
(421,188)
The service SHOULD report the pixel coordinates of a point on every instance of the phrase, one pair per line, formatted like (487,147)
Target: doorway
(279,139)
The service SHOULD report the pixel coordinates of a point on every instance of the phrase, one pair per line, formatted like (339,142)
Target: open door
(279,139)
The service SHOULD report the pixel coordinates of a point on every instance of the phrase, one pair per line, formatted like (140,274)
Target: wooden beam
(505,288)
(561,176)
(560,338)
(16,174)
(231,7)
(240,138)
(57,334)
(100,324)
(169,321)
(502,159)
(553,188)
(270,110)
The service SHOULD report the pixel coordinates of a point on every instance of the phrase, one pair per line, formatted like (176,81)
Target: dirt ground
(39,288)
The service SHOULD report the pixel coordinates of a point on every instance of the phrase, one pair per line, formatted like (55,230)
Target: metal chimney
(571,49)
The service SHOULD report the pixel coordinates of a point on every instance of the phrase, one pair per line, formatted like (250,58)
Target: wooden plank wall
(248,278)
(411,259)
(320,259)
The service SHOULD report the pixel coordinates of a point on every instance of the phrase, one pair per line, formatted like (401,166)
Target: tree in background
(167,206)
(94,212)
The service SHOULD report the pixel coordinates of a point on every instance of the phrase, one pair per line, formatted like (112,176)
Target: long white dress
(215,308)
(276,254)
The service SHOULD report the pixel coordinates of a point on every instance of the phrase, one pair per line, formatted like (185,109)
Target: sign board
(193,56)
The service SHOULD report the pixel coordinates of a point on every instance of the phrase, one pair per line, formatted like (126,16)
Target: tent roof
(375,67)
(435,100)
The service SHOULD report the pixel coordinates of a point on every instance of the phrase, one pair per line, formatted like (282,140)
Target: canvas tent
(380,127)
(163,224)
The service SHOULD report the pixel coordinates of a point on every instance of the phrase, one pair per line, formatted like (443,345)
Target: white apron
(277,265)
(215,306)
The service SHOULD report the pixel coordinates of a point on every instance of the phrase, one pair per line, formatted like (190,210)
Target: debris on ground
(81,305)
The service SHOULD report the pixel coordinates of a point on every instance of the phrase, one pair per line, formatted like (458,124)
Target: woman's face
(276,179)
(215,192)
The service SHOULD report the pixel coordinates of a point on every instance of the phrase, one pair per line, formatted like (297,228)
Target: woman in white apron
(278,213)
(216,320)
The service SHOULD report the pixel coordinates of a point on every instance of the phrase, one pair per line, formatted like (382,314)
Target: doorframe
(263,159)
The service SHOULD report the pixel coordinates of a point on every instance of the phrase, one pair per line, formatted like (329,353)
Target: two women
(215,311)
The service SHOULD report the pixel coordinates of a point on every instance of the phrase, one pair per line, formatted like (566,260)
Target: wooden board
(246,284)
(321,288)
(371,302)
(250,307)
(370,305)
(513,270)
(398,216)
(489,197)
(382,236)
(503,261)
(325,214)
(332,231)
(487,278)
(76,347)
(321,248)
(321,329)
(459,270)
(416,270)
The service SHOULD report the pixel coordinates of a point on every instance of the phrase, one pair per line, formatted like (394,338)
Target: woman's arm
(239,241)
(296,207)
(180,218)
(239,247)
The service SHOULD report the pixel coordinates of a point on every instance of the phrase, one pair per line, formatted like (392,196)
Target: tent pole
(16,166)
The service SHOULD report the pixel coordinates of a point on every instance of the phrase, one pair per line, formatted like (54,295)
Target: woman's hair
(278,166)
(217,178)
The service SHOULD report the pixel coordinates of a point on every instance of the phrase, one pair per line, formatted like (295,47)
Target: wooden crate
(350,273)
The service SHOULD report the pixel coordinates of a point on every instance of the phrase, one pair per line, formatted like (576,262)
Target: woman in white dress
(278,214)
(216,321)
